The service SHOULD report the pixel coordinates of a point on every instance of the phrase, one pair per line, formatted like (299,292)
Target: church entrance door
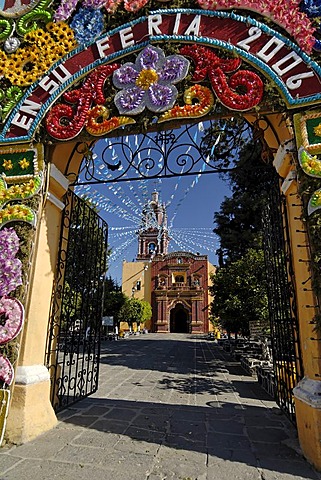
(179,319)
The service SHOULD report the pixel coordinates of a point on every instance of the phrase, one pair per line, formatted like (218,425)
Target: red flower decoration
(208,64)
(65,122)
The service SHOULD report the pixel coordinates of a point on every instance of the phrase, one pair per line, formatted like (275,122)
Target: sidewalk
(168,407)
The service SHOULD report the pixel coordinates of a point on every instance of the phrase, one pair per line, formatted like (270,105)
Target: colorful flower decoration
(7,164)
(313,10)
(208,64)
(10,98)
(205,103)
(19,191)
(24,164)
(17,213)
(98,122)
(64,122)
(310,164)
(310,130)
(129,5)
(285,13)
(87,24)
(10,266)
(28,63)
(314,202)
(6,370)
(149,82)
(67,7)
(11,315)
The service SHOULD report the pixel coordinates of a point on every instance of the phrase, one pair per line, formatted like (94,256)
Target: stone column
(31,412)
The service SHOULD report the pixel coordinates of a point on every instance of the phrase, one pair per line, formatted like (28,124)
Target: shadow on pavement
(229,431)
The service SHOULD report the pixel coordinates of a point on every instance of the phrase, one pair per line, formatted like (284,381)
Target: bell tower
(153,234)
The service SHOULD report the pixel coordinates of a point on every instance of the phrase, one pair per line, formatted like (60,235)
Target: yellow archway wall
(31,412)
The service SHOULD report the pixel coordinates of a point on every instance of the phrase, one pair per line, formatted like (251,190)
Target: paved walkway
(168,407)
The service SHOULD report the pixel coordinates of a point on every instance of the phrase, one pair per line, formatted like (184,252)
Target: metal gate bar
(73,345)
(287,360)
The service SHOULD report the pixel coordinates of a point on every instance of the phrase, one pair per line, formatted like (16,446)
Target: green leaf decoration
(310,164)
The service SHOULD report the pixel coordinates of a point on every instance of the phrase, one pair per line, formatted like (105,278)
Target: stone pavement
(168,407)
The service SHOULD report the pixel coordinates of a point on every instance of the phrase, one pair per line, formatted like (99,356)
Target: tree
(239,221)
(135,311)
(239,286)
(239,290)
(146,311)
(114,299)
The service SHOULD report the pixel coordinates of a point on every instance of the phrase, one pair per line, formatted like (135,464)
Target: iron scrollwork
(205,147)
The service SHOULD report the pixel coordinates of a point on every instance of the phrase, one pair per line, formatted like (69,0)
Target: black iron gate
(74,329)
(287,360)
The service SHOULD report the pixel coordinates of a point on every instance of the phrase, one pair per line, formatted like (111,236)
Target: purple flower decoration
(10,266)
(148,83)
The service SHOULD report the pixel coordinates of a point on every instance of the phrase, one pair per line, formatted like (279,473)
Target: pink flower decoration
(6,370)
(285,13)
(11,319)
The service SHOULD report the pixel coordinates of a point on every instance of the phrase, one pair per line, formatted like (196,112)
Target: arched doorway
(77,75)
(179,319)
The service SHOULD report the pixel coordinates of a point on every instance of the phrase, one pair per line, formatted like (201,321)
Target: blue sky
(191,202)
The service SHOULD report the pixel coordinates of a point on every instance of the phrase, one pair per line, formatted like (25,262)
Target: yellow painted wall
(134,272)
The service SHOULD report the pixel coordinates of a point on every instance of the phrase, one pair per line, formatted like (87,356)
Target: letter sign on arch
(294,73)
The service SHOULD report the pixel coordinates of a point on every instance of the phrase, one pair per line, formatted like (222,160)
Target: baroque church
(175,284)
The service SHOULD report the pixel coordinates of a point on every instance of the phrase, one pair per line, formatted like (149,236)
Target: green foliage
(135,311)
(239,286)
(239,221)
(239,290)
(146,311)
(114,299)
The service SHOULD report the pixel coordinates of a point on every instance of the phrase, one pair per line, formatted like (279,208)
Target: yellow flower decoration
(317,130)
(24,163)
(7,165)
(27,64)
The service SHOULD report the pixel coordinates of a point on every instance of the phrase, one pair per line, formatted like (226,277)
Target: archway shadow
(236,421)
(228,431)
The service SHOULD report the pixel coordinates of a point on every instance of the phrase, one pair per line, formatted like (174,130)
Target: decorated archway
(73,72)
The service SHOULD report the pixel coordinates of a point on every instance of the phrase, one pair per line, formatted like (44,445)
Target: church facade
(175,284)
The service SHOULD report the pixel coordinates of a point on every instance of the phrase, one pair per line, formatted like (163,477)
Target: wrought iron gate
(73,345)
(287,360)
